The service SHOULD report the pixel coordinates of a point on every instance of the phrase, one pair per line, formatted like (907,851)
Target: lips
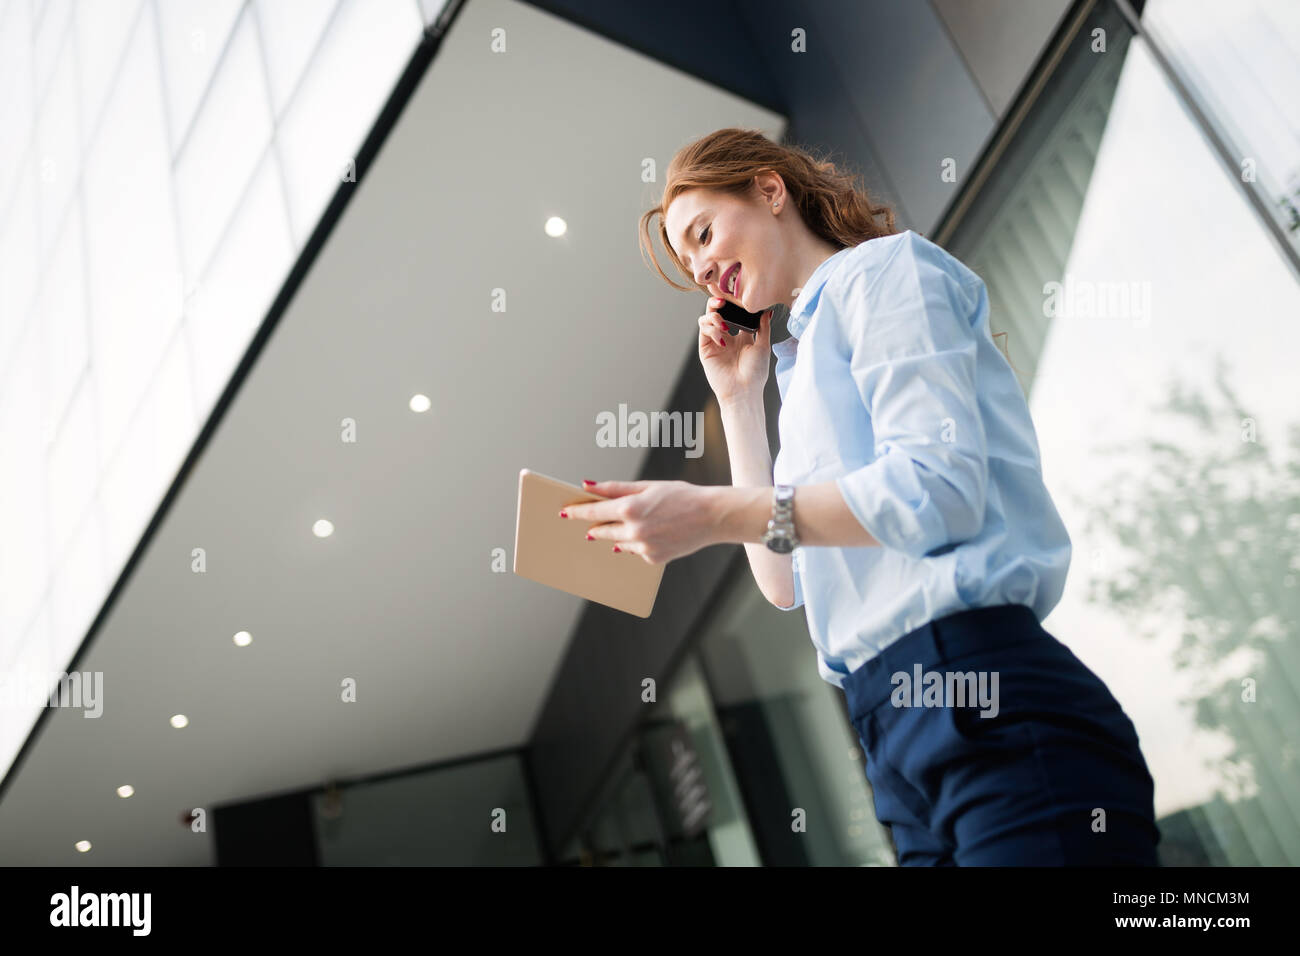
(725,284)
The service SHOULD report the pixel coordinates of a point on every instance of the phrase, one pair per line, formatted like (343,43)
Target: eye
(706,231)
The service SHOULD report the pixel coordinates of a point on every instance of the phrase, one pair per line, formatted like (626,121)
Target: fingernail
(587,481)
(618,549)
(590,538)
(563,515)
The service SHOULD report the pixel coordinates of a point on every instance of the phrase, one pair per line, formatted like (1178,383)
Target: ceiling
(450,657)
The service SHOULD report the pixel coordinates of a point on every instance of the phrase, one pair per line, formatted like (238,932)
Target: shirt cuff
(891,503)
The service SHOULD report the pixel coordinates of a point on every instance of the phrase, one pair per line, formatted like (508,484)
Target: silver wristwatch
(780,536)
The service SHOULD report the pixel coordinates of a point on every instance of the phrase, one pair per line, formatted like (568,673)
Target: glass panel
(1243,64)
(73,470)
(638,813)
(626,831)
(61,318)
(796,756)
(365,50)
(24,558)
(19,266)
(473,814)
(77,590)
(290,30)
(51,33)
(192,37)
(58,150)
(672,798)
(102,30)
(225,308)
(150,454)
(602,841)
(214,167)
(1164,404)
(18,105)
(134,270)
(730,839)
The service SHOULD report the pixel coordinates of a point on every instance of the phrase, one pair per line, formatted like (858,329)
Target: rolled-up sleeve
(912,355)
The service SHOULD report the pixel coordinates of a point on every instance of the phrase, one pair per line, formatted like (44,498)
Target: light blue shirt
(891,386)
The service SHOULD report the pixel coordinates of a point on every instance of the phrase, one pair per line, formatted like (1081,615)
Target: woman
(928,547)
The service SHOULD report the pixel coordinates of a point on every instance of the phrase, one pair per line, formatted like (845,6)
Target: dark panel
(709,39)
(762,784)
(276,831)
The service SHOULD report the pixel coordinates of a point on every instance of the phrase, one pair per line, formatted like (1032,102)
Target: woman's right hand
(736,368)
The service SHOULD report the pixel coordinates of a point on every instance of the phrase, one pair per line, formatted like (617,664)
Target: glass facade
(1157,315)
(162,166)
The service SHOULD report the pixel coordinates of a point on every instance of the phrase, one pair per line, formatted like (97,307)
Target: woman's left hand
(659,520)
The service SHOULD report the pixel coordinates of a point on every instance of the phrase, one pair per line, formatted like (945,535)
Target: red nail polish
(587,481)
(618,549)
(590,538)
(563,515)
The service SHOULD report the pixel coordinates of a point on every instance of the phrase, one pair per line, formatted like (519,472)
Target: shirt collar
(810,293)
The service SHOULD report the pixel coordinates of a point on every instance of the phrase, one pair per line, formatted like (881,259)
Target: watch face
(780,545)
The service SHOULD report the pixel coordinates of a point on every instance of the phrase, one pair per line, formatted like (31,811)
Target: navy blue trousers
(1054,778)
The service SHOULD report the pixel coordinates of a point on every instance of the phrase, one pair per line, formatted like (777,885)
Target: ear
(770,185)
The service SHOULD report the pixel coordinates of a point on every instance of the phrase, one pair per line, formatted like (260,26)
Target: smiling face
(721,237)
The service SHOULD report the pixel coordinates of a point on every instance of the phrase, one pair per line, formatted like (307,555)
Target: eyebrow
(690,231)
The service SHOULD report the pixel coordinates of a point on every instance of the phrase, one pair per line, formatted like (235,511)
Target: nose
(702,276)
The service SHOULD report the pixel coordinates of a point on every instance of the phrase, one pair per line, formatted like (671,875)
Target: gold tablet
(555,551)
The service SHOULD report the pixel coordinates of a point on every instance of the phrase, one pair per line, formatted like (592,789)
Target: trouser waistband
(948,638)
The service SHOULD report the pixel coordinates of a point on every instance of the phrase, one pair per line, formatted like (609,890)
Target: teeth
(732,284)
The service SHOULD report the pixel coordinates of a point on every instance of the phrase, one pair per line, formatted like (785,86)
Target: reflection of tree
(1290,202)
(1208,533)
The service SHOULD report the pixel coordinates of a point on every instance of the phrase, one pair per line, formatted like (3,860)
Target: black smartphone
(735,316)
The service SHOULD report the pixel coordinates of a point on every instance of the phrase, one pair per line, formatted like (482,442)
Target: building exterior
(237,235)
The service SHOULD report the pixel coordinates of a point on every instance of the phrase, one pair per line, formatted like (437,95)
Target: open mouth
(731,281)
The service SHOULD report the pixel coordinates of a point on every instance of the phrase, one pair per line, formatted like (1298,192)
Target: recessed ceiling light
(243,638)
(82,846)
(179,721)
(322,528)
(555,226)
(420,403)
(125,791)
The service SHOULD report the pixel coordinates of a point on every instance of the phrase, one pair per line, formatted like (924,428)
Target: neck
(810,254)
